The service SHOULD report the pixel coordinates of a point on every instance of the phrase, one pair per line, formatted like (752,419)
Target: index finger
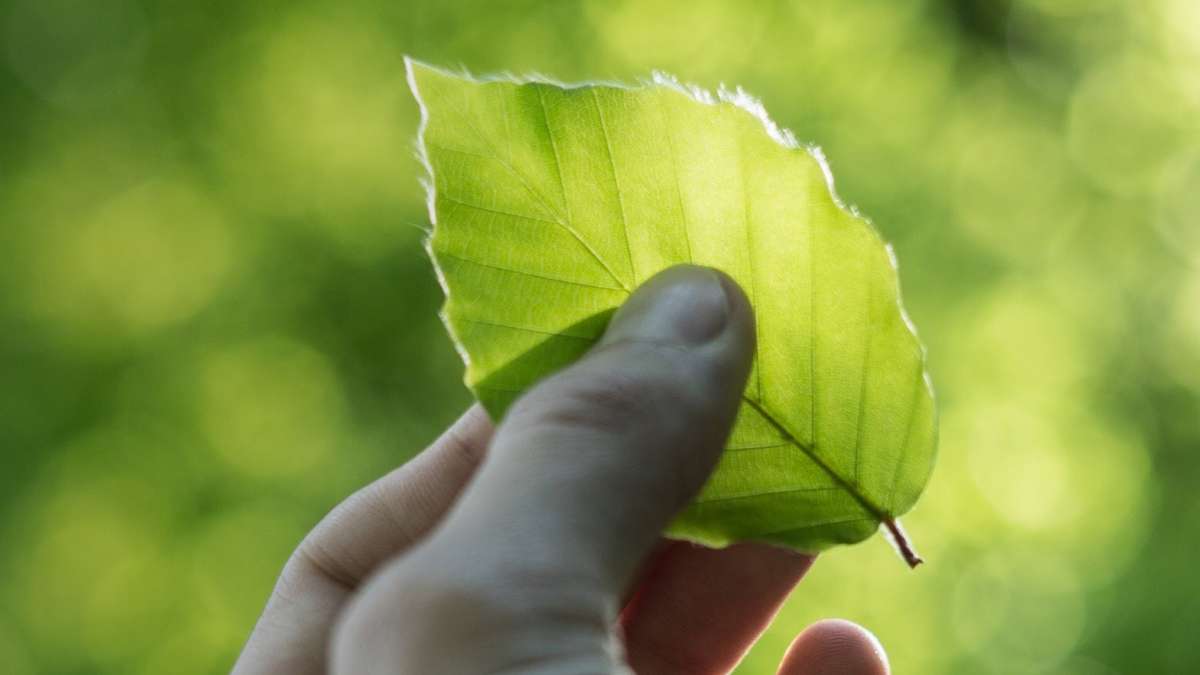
(374,524)
(699,610)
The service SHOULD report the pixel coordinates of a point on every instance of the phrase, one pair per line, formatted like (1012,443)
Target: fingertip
(686,305)
(835,647)
(739,303)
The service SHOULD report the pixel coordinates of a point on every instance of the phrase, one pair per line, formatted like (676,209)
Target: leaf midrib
(869,506)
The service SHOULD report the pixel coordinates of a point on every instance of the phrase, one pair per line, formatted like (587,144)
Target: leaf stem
(895,535)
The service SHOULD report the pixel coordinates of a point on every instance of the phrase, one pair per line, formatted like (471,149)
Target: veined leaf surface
(551,203)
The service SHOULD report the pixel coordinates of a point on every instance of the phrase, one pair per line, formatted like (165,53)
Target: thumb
(590,465)
(582,476)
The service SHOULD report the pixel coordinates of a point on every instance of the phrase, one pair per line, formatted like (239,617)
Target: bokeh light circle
(74,52)
(272,407)
(1128,125)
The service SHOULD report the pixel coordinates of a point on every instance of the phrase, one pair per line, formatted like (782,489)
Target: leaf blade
(837,433)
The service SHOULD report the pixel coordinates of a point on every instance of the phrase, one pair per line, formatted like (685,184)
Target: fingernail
(685,304)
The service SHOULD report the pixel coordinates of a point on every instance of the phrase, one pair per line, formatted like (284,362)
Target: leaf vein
(492,209)
(749,241)
(813,526)
(687,239)
(758,447)
(918,383)
(545,204)
(526,329)
(812,324)
(612,164)
(862,385)
(563,187)
(524,273)
(765,493)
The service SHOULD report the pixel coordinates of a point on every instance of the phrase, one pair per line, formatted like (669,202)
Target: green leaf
(551,203)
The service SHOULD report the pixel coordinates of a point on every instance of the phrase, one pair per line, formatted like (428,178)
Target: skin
(534,547)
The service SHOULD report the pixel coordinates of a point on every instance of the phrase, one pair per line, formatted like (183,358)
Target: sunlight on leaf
(550,204)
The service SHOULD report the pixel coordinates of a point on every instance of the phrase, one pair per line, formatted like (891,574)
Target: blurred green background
(216,317)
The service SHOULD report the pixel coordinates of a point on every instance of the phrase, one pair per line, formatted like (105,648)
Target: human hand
(535,548)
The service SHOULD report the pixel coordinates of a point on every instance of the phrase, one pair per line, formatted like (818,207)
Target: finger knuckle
(604,401)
